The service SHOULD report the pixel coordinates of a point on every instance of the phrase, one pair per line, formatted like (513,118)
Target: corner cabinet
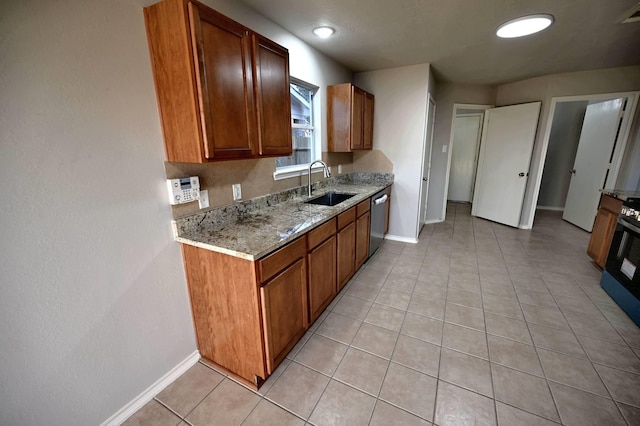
(349,118)
(603,228)
(222,89)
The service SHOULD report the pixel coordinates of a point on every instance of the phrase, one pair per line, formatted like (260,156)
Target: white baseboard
(401,239)
(147,395)
(555,209)
(429,222)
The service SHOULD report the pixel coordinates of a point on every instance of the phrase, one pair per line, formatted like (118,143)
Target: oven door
(624,256)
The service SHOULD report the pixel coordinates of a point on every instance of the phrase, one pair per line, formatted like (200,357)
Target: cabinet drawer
(320,234)
(279,260)
(611,204)
(363,207)
(346,218)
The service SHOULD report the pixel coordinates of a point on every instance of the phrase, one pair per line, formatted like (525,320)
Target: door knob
(521,174)
(573,172)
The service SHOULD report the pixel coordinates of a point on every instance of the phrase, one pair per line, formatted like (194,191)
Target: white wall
(608,80)
(93,303)
(446,95)
(561,154)
(399,132)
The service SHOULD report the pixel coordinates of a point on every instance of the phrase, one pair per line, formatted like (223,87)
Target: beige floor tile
(502,306)
(423,328)
(373,277)
(466,371)
(498,289)
(630,334)
(538,298)
(321,354)
(508,416)
(305,337)
(464,298)
(578,305)
(342,405)
(339,327)
(524,391)
(467,282)
(431,291)
(376,340)
(386,414)
(571,371)
(623,386)
(385,316)
(417,354)
(409,390)
(229,403)
(267,413)
(610,354)
(379,265)
(581,408)
(556,340)
(398,283)
(363,291)
(616,315)
(632,414)
(362,371)
(152,413)
(189,389)
(409,270)
(271,380)
(472,342)
(394,298)
(314,326)
(352,307)
(427,307)
(507,327)
(550,317)
(298,389)
(463,315)
(517,355)
(456,406)
(597,328)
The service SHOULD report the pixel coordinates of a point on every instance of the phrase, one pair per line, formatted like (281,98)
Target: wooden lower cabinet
(346,249)
(322,277)
(363,224)
(284,312)
(603,229)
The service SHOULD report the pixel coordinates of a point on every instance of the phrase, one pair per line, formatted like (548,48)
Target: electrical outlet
(237,191)
(203,202)
(339,169)
(444,148)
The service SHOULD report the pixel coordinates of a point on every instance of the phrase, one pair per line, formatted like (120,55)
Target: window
(303,133)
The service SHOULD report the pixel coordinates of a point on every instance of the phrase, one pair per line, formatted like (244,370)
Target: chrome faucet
(327,172)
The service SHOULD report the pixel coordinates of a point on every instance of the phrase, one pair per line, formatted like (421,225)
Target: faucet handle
(327,172)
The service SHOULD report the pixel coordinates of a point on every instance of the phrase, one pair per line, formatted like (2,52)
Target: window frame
(286,172)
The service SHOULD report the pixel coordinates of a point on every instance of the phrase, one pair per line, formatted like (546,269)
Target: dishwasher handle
(381,200)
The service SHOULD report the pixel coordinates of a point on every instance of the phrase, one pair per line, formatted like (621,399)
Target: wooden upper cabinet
(225,84)
(271,71)
(222,90)
(349,118)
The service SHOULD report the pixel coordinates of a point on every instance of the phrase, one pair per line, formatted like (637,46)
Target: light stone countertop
(621,194)
(257,234)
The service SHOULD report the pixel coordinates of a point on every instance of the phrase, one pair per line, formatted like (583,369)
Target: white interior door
(597,138)
(505,154)
(466,139)
(426,163)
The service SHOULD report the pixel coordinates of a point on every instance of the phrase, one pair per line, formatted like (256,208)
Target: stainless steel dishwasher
(378,220)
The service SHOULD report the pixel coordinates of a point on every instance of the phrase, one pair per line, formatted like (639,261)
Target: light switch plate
(444,148)
(203,202)
(237,191)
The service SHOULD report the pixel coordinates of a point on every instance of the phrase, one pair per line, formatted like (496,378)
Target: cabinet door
(322,277)
(368,121)
(362,239)
(346,254)
(357,117)
(273,102)
(222,49)
(284,312)
(601,235)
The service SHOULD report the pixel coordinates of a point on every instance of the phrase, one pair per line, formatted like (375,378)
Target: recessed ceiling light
(524,26)
(324,32)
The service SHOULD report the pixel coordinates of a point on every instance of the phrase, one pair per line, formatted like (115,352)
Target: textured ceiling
(458,36)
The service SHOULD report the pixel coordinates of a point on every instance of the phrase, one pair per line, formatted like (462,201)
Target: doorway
(585,139)
(426,161)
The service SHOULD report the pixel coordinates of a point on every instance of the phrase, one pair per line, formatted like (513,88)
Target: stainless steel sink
(330,199)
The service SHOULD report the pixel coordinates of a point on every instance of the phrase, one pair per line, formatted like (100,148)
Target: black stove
(631,211)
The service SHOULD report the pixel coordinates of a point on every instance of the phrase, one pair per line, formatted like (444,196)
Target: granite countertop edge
(621,194)
(254,235)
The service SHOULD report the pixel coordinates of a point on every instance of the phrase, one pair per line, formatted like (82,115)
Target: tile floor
(477,324)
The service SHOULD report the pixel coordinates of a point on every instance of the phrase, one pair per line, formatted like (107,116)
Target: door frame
(618,152)
(426,144)
(477,150)
(479,107)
